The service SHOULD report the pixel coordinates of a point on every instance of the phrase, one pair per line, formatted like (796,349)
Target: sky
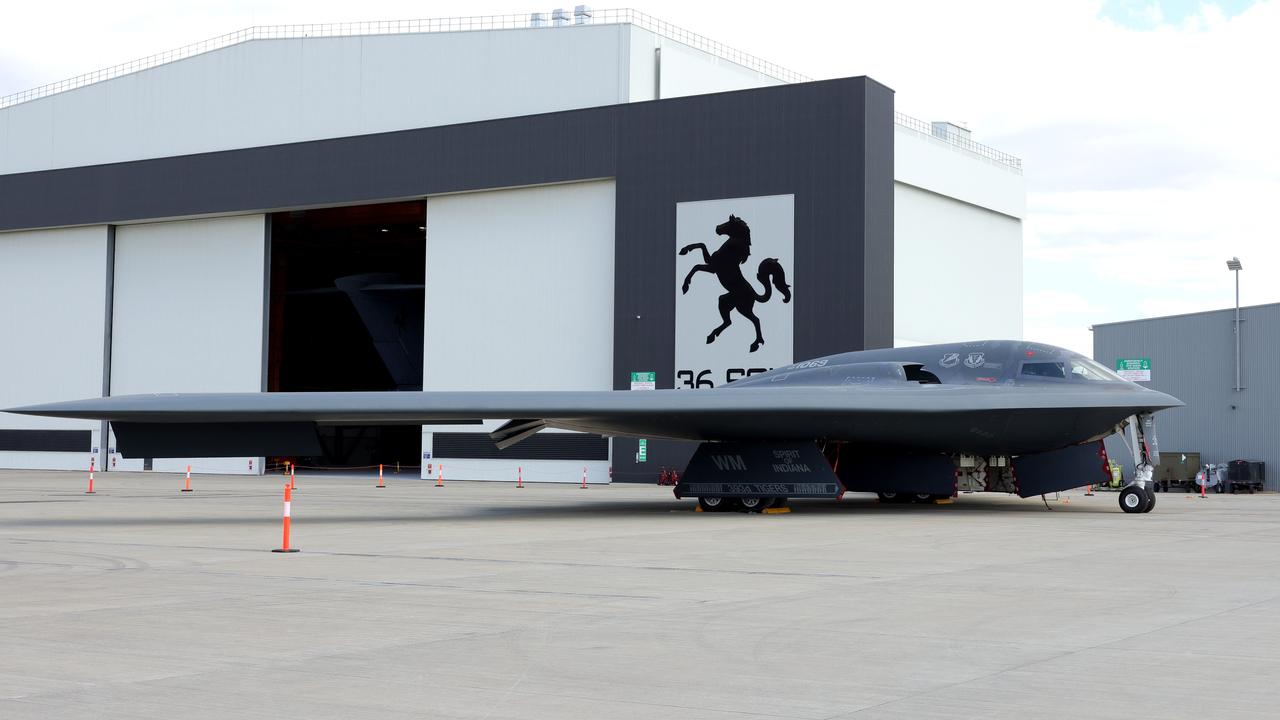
(1149,131)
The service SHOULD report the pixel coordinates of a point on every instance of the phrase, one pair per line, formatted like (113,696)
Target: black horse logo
(726,264)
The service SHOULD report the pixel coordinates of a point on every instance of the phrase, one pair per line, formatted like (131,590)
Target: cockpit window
(1044,369)
(1086,369)
(1075,369)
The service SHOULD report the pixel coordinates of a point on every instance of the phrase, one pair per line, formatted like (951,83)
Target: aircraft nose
(1161,400)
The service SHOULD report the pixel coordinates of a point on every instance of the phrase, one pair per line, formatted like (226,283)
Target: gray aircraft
(909,424)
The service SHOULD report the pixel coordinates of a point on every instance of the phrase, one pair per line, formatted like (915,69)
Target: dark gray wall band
(810,140)
(543,446)
(530,150)
(76,441)
(878,202)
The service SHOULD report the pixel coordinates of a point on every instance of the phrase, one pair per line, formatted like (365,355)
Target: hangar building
(471,203)
(1193,358)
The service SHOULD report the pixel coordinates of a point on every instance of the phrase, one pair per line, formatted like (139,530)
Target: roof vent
(559,17)
(950,131)
(537,20)
(582,15)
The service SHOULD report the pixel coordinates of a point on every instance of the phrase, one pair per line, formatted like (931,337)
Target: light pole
(1234,266)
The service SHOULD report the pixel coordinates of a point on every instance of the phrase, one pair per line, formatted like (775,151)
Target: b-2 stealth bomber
(907,423)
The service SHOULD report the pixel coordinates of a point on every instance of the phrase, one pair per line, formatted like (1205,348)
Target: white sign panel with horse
(734,266)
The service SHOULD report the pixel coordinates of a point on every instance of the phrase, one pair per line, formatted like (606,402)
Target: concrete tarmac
(479,600)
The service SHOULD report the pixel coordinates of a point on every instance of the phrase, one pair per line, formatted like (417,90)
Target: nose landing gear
(1140,497)
(1136,499)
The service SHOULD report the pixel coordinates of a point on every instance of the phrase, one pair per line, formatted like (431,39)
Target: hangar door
(187,317)
(52,306)
(519,296)
(346,315)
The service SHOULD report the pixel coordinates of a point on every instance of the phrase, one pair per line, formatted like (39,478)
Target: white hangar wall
(271,91)
(957,270)
(52,308)
(519,296)
(957,242)
(679,69)
(187,316)
(265,92)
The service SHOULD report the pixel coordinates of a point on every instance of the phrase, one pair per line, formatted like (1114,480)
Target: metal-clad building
(1193,358)
(468,203)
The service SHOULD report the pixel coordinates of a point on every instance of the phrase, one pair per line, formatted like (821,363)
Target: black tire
(891,498)
(926,498)
(1133,499)
(754,504)
(1151,501)
(713,504)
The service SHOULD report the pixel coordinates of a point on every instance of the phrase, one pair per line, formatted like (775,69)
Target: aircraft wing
(980,419)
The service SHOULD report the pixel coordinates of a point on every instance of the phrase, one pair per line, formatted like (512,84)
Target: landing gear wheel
(1133,499)
(712,504)
(754,504)
(1151,501)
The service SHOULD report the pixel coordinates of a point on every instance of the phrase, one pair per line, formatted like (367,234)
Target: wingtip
(25,410)
(66,409)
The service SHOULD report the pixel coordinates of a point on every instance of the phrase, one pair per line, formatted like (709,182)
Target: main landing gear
(743,504)
(713,504)
(898,498)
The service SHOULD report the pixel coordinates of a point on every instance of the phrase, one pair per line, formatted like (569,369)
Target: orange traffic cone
(288,503)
